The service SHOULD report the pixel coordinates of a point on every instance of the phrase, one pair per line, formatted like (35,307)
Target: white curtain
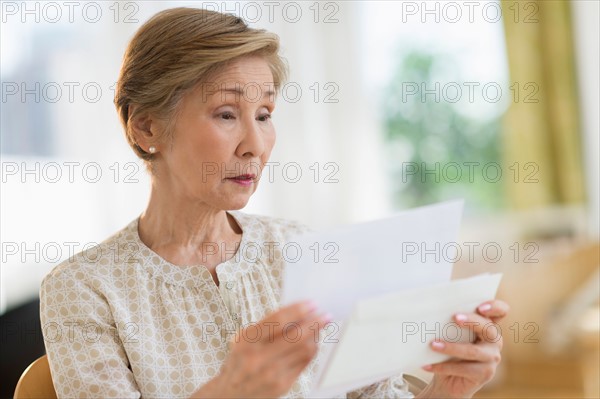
(343,137)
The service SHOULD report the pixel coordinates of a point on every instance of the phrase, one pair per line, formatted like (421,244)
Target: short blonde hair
(177,49)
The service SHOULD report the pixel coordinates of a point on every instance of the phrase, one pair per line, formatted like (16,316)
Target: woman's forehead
(243,72)
(236,89)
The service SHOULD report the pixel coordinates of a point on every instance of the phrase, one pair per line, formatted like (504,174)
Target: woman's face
(223,130)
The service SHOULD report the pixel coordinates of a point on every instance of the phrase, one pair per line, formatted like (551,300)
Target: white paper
(338,267)
(387,285)
(389,334)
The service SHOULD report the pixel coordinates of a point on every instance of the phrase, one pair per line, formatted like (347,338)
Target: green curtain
(541,137)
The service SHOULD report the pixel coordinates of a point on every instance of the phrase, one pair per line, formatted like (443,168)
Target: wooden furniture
(36,381)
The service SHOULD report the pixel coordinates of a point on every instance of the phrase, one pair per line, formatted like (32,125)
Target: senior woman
(158,308)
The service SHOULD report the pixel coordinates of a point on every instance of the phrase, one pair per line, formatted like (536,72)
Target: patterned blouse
(119,321)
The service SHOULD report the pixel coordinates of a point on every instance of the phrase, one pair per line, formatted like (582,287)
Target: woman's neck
(185,232)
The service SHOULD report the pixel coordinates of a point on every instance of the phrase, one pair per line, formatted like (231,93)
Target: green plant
(436,150)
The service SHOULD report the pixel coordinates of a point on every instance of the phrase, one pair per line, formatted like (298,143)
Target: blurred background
(389,105)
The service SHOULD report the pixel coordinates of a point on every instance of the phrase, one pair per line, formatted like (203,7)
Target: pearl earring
(152,149)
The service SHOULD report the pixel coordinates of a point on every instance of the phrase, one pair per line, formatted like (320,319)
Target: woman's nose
(252,143)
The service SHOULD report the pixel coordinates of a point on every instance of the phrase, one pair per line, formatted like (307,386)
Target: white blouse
(120,321)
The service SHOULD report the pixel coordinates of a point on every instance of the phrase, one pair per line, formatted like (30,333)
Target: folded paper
(387,335)
(338,267)
(387,285)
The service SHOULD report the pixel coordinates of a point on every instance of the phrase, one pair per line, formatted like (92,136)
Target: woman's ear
(144,129)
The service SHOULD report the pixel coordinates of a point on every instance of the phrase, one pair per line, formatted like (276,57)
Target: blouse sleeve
(85,353)
(393,387)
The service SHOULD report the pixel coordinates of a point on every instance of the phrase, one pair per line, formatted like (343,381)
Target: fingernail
(427,367)
(461,317)
(485,307)
(327,317)
(438,345)
(310,305)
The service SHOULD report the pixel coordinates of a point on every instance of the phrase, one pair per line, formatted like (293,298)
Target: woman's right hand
(266,358)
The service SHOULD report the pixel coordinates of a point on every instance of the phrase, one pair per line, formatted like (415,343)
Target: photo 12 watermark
(92,92)
(130,12)
(91,172)
(452,12)
(409,331)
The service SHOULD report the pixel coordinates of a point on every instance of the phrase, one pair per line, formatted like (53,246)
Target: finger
(294,312)
(271,361)
(298,360)
(472,371)
(303,353)
(310,326)
(295,366)
(479,327)
(272,337)
(494,309)
(274,324)
(453,367)
(291,371)
(296,338)
(483,352)
(289,364)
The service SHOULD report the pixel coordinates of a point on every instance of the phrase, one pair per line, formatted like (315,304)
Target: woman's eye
(265,117)
(227,115)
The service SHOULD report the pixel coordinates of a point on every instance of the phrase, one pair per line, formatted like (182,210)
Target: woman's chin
(237,199)
(236,202)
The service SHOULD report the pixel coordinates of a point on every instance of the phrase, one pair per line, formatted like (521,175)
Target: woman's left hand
(472,364)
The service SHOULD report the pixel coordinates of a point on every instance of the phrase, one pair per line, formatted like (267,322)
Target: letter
(35,251)
(25,91)
(408,8)
(9,169)
(9,89)
(25,11)
(471,86)
(209,169)
(498,172)
(454,85)
(57,12)
(408,248)
(9,248)
(298,252)
(71,86)
(434,251)
(298,173)
(457,174)
(57,250)
(435,12)
(471,246)
(298,12)
(458,12)
(98,12)
(409,328)
(435,172)
(435,91)
(271,9)
(435,332)
(409,88)
(9,8)
(471,166)
(208,328)
(289,326)
(409,169)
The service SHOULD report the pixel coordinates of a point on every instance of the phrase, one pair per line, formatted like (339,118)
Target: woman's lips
(244,180)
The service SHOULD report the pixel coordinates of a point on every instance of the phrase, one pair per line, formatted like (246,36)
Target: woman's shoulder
(92,260)
(270,225)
